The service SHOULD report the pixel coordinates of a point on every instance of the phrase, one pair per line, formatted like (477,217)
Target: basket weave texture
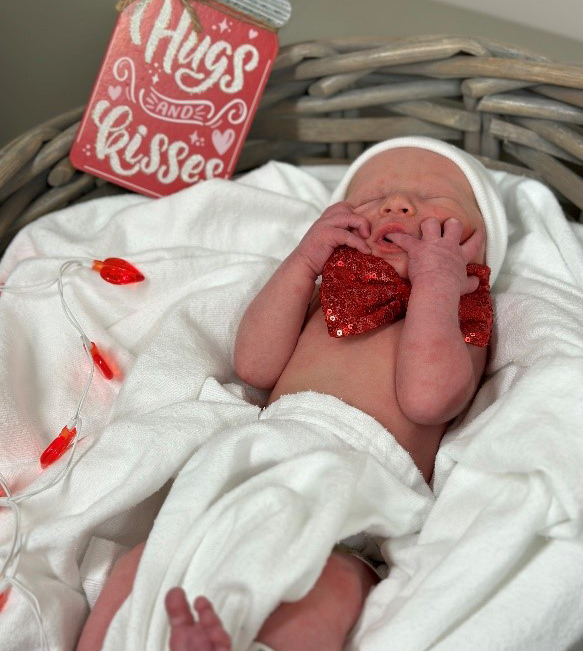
(326,101)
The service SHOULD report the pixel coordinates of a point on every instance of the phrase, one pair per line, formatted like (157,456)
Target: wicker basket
(326,101)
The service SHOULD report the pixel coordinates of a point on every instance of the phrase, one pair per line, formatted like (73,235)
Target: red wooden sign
(171,106)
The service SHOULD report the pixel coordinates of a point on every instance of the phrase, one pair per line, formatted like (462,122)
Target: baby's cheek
(480,257)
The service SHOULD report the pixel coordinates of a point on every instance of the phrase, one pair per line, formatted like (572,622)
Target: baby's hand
(441,256)
(337,225)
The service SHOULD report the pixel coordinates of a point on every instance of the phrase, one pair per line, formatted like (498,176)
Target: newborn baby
(398,329)
(427,210)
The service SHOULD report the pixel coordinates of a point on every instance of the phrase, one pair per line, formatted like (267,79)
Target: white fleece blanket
(494,562)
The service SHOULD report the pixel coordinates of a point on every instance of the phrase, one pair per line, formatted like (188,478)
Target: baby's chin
(399,262)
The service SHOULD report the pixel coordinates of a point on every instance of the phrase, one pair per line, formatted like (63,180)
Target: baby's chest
(372,353)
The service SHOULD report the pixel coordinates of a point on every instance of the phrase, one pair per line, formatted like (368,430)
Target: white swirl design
(200,112)
(236,111)
(124,69)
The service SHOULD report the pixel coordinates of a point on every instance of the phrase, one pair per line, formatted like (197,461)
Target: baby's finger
(339,205)
(353,240)
(431,229)
(334,211)
(472,246)
(347,219)
(340,236)
(403,240)
(452,230)
(471,285)
(364,228)
(340,208)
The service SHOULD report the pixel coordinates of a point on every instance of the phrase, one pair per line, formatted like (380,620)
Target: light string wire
(46,284)
(10,565)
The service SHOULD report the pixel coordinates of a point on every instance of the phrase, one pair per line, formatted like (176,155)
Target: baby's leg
(320,621)
(115,591)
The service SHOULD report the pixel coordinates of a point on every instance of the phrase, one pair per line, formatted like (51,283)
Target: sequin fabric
(360,292)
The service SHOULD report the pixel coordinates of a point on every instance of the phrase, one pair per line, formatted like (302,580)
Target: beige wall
(562,17)
(50,50)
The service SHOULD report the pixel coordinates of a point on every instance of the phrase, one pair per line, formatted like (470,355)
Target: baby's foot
(206,634)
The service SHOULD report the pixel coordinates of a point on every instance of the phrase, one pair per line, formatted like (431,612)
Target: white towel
(254,514)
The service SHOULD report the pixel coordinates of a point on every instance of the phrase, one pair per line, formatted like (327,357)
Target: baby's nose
(398,203)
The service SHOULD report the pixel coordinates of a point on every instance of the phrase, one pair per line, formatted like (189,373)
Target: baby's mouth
(385,244)
(383,237)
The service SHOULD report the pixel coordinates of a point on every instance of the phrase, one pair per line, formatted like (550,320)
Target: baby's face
(400,188)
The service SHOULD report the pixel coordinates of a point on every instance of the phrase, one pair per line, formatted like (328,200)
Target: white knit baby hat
(482,182)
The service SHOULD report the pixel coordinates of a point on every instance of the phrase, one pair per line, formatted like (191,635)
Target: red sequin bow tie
(360,292)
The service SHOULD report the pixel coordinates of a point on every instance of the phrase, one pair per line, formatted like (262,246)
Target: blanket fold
(262,504)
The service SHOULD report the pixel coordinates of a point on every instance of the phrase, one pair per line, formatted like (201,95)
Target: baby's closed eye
(441,198)
(435,197)
(363,203)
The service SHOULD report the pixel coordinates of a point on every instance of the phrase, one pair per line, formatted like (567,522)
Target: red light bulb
(4,598)
(117,271)
(58,447)
(100,362)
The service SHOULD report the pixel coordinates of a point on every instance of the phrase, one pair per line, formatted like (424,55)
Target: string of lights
(118,272)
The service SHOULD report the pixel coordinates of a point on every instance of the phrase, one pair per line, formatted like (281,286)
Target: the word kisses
(167,160)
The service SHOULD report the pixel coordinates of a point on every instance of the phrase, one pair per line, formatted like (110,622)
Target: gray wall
(50,50)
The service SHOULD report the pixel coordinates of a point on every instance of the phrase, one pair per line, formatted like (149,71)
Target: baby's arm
(437,372)
(271,325)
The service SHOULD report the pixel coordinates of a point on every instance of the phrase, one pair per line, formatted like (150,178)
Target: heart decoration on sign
(114,92)
(222,141)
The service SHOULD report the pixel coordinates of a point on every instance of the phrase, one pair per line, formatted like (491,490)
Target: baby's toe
(178,609)
(212,624)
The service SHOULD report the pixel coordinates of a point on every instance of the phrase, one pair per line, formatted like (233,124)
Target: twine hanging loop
(122,4)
